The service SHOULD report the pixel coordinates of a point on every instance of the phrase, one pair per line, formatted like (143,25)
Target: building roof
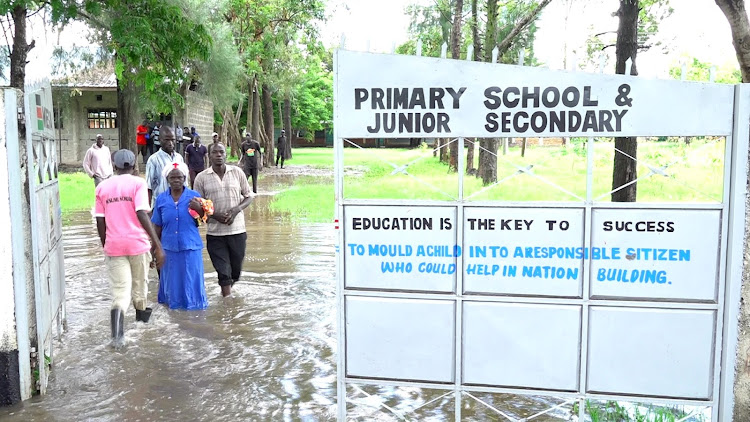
(101,76)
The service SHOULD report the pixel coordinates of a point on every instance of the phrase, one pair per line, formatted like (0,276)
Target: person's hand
(231,214)
(159,257)
(196,205)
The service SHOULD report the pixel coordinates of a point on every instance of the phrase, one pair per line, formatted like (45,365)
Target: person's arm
(87,164)
(155,242)
(101,228)
(247,193)
(205,159)
(149,178)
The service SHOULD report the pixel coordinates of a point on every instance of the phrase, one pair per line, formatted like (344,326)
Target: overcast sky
(696,28)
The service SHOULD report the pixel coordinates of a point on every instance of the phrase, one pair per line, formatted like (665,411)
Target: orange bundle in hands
(208,209)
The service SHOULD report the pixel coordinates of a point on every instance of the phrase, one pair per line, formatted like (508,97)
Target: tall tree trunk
(127,115)
(20,48)
(249,125)
(456,54)
(488,172)
(256,134)
(268,123)
(475,31)
(456,29)
(488,147)
(736,15)
(470,156)
(624,170)
(286,123)
(470,169)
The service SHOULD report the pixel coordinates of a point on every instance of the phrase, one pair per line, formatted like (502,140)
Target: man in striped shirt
(165,156)
(227,187)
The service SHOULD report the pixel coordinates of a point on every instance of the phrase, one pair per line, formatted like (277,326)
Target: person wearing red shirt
(140,139)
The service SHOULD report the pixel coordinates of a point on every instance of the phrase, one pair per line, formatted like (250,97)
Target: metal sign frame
(726,306)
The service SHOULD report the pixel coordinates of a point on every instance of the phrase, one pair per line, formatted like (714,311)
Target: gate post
(735,387)
(16,298)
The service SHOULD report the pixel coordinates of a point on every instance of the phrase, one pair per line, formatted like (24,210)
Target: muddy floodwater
(267,353)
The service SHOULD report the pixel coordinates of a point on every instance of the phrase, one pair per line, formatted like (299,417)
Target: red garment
(141,139)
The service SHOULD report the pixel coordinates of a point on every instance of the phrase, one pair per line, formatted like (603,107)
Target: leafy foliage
(431,24)
(151,40)
(313,98)
(700,71)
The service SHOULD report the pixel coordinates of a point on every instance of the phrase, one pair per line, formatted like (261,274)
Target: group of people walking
(154,222)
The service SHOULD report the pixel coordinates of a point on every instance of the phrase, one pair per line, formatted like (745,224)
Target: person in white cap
(181,283)
(97,162)
(215,139)
(124,229)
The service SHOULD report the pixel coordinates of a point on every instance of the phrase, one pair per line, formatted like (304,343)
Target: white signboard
(655,254)
(401,248)
(393,96)
(656,352)
(400,339)
(523,251)
(521,345)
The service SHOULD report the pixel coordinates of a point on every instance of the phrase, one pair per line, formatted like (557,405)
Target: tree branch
(505,44)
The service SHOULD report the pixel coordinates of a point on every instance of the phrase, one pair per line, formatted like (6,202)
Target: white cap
(214,134)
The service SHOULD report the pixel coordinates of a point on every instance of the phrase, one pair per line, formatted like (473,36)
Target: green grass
(76,192)
(612,411)
(694,174)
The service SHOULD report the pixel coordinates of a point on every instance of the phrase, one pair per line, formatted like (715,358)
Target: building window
(102,119)
(98,98)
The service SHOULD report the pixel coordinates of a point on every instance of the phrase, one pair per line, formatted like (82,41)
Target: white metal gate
(447,342)
(46,228)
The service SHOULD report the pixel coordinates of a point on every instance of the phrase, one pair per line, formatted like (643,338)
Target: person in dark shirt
(280,146)
(196,157)
(250,158)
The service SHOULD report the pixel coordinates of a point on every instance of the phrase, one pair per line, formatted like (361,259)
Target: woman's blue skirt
(181,281)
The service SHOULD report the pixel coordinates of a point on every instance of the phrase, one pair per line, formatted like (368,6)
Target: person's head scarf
(182,167)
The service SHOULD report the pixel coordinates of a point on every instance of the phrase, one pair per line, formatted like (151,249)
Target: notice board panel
(655,352)
(523,251)
(400,248)
(401,339)
(655,254)
(521,345)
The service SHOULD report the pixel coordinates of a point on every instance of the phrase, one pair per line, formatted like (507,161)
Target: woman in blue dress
(181,280)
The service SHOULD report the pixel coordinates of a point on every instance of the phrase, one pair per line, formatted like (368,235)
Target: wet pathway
(267,353)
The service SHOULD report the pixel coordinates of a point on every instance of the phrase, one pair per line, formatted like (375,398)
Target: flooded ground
(266,354)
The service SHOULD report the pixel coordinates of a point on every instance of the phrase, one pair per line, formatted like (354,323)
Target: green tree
(313,98)
(150,51)
(269,37)
(634,16)
(701,72)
